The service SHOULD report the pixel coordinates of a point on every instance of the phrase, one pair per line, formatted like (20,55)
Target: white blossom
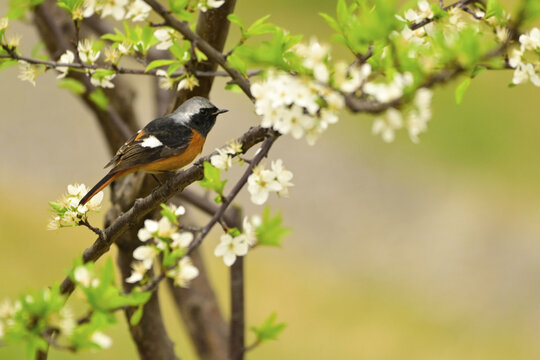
(424,12)
(83,276)
(138,270)
(177,210)
(205,5)
(282,176)
(260,183)
(63,320)
(188,83)
(89,8)
(524,73)
(229,248)
(114,8)
(384,93)
(184,272)
(124,48)
(4,22)
(515,58)
(357,75)
(67,58)
(101,339)
(103,81)
(27,72)
(112,55)
(7,309)
(86,51)
(420,115)
(181,240)
(165,37)
(138,11)
(13,40)
(250,225)
(146,254)
(222,160)
(164,80)
(387,124)
(531,40)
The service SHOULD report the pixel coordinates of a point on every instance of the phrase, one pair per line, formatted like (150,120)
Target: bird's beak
(220,111)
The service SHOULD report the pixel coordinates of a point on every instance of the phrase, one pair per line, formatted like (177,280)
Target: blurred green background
(398,251)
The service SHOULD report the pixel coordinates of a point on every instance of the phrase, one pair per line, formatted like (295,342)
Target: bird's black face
(205,119)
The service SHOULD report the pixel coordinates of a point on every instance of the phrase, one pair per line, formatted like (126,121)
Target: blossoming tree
(297,88)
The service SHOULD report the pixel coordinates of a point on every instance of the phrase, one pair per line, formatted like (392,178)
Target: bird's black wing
(158,140)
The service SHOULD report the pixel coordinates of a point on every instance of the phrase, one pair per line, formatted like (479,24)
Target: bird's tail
(110,177)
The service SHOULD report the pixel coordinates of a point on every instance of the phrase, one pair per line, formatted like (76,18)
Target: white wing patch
(151,142)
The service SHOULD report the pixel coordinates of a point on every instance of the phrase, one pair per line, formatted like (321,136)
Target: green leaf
(259,27)
(99,98)
(271,232)
(236,20)
(460,90)
(269,330)
(72,85)
(331,21)
(200,55)
(212,179)
(178,7)
(477,71)
(137,316)
(167,212)
(158,63)
(236,62)
(234,88)
(7,63)
(494,8)
(56,207)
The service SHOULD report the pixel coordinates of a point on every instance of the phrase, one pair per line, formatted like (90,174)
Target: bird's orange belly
(178,161)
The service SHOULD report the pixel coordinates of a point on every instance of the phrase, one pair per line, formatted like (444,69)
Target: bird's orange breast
(178,161)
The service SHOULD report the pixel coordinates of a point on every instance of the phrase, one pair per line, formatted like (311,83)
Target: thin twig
(119,70)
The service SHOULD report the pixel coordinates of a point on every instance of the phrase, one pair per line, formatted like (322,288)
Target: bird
(165,144)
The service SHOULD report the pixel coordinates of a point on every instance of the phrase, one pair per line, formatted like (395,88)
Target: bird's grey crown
(189,108)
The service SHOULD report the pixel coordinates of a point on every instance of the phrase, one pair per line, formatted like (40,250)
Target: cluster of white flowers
(224,159)
(159,235)
(69,212)
(263,181)
(230,247)
(291,105)
(519,58)
(136,10)
(205,5)
(416,118)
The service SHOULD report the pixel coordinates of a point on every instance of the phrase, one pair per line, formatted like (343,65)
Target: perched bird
(166,144)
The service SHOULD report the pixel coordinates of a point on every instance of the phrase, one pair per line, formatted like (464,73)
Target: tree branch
(161,194)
